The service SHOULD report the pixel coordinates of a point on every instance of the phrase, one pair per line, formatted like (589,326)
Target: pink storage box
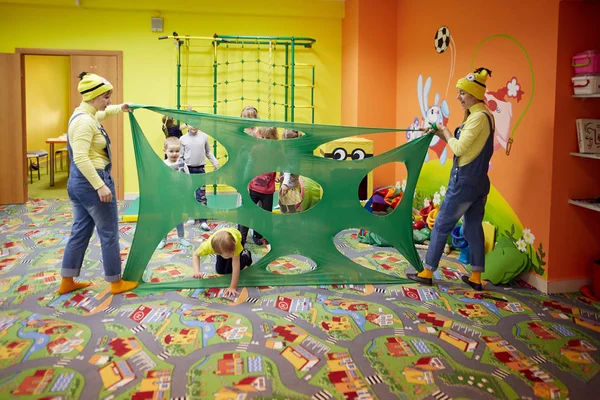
(587,62)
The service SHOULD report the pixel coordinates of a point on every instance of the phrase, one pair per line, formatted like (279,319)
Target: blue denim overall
(90,212)
(466,196)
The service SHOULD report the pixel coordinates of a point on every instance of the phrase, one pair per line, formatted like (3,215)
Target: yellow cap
(92,86)
(474,83)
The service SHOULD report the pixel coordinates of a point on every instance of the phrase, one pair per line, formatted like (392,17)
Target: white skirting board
(552,287)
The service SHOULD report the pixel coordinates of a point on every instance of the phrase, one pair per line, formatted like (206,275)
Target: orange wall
(369,74)
(524,177)
(539,175)
(350,64)
(574,231)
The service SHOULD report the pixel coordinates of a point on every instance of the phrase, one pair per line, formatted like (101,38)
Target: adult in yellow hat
(469,185)
(90,186)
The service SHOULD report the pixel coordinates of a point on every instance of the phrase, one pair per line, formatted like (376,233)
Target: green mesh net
(167,199)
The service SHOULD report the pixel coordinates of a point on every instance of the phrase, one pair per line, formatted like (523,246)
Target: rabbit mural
(438,113)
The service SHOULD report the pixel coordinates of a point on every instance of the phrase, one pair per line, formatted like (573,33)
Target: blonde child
(171,149)
(261,188)
(250,112)
(226,243)
(195,149)
(289,191)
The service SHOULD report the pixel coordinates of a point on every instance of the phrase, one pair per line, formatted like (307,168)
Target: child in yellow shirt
(226,243)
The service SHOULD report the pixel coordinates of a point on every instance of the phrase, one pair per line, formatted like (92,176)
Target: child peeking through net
(290,194)
(226,243)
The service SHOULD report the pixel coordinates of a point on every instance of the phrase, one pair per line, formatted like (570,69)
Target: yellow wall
(149,64)
(47,98)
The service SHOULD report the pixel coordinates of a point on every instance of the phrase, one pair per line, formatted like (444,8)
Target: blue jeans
(180,232)
(266,202)
(201,191)
(90,212)
(460,200)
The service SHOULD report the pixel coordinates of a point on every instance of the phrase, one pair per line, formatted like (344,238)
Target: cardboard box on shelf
(588,135)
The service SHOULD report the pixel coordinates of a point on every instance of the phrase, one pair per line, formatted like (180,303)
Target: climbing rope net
(223,74)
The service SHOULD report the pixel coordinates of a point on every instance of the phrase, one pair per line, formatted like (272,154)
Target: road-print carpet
(343,342)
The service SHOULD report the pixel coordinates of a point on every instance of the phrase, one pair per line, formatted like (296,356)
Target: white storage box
(586,84)
(588,135)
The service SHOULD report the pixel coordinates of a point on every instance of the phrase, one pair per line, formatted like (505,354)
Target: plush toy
(311,193)
(459,242)
(505,262)
(364,236)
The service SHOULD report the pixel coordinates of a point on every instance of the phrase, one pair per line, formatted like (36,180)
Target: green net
(167,199)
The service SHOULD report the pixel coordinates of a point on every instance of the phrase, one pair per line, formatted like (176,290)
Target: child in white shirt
(289,192)
(195,149)
(171,149)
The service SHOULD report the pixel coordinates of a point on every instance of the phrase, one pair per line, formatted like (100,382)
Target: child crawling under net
(226,243)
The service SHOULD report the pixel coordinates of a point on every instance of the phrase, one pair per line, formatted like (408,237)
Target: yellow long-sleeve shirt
(473,135)
(88,143)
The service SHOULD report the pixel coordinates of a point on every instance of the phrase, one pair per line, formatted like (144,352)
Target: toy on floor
(364,236)
(505,262)
(489,236)
(426,217)
(459,242)
(418,222)
(588,291)
(418,225)
(421,235)
(426,210)
(311,193)
(384,200)
(432,216)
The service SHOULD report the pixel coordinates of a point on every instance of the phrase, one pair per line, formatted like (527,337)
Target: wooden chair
(37,154)
(61,153)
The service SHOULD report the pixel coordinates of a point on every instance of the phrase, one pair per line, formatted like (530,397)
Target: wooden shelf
(584,204)
(586,96)
(587,155)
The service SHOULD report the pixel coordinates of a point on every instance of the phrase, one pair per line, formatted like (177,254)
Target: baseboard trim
(536,281)
(551,287)
(567,286)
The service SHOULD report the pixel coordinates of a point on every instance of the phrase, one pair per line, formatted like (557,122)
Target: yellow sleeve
(109,112)
(205,248)
(471,130)
(80,139)
(238,242)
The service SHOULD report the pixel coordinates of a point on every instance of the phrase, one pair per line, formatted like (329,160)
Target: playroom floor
(344,342)
(41,189)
